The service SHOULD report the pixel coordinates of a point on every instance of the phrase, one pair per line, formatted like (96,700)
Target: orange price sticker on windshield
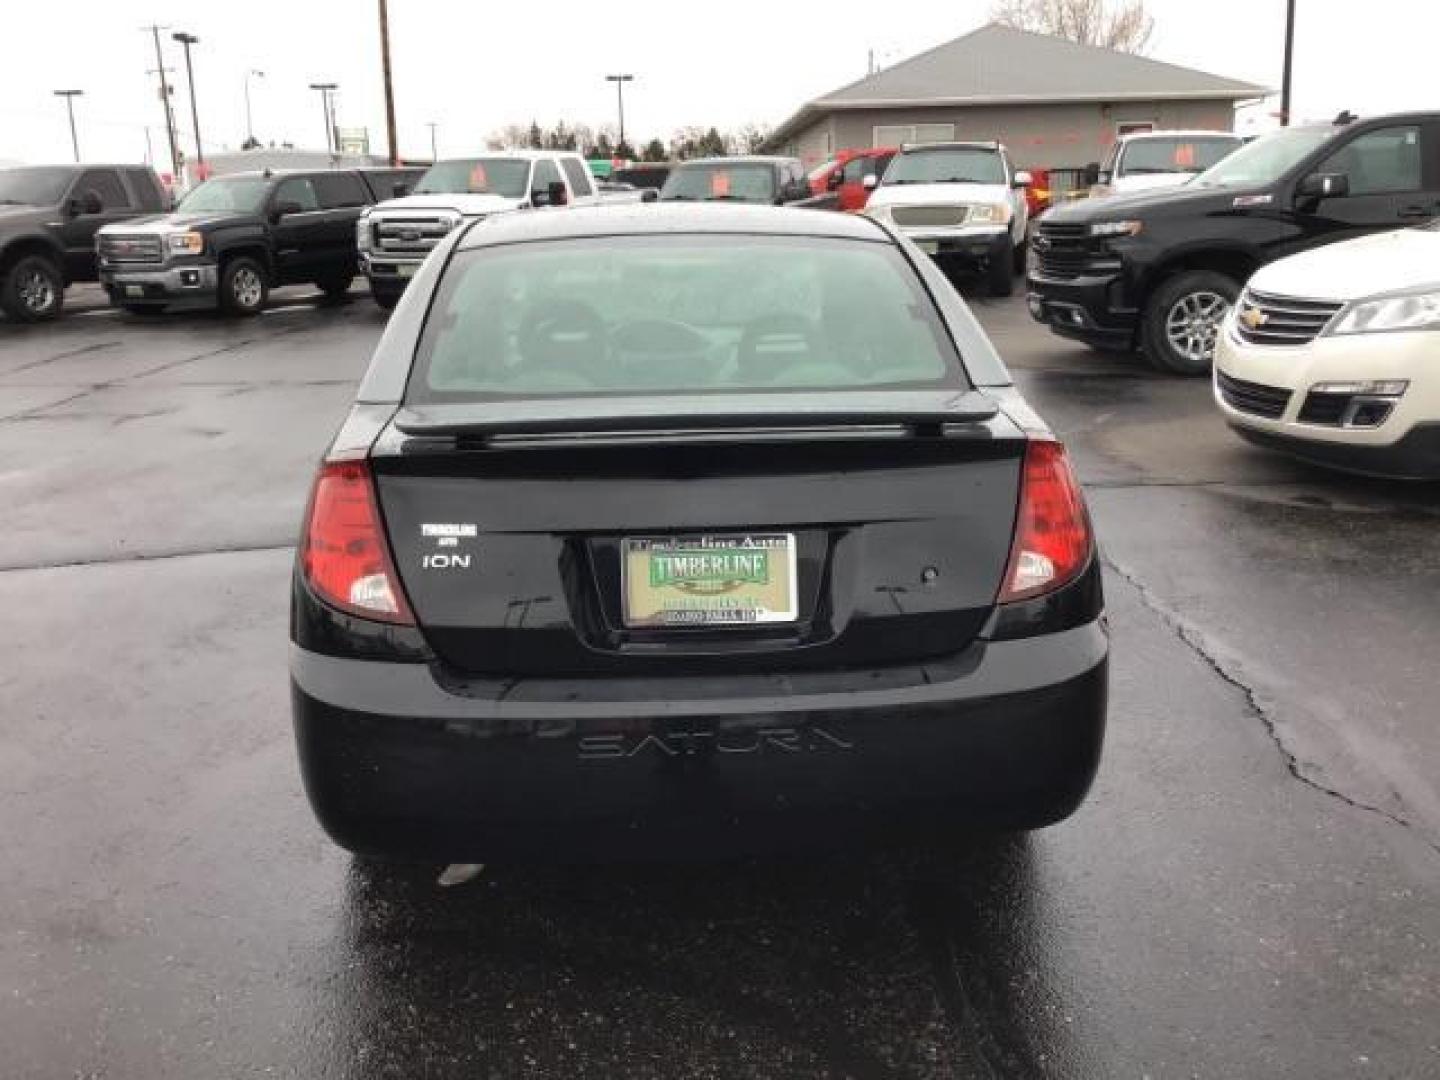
(1185,155)
(720,184)
(478,179)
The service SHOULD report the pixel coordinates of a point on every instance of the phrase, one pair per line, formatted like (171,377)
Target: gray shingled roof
(999,65)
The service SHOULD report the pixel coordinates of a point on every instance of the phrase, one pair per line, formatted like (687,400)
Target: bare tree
(1124,25)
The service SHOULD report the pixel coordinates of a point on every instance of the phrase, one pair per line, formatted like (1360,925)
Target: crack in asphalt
(145,556)
(1194,639)
(68,354)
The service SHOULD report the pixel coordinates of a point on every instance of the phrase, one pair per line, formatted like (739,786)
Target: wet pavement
(1250,891)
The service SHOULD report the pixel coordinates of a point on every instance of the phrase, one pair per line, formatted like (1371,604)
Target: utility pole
(165,102)
(620,81)
(389,85)
(434,153)
(325,91)
(249,120)
(1289,60)
(187,40)
(70,96)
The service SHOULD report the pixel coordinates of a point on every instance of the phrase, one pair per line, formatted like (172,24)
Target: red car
(845,175)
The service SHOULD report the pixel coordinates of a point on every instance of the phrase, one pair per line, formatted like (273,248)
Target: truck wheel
(1000,274)
(243,286)
(335,288)
(33,290)
(1182,321)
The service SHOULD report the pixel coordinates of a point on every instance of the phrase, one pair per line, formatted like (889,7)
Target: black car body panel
(1094,289)
(521,716)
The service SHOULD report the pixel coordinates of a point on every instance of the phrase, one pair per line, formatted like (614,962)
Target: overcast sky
(473,67)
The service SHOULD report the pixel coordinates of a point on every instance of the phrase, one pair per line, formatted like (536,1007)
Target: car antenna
(1345,117)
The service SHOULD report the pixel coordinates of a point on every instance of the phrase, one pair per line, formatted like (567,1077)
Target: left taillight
(344,554)
(1053,540)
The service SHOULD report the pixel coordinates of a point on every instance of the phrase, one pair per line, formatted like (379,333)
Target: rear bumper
(161,285)
(1006,734)
(1088,309)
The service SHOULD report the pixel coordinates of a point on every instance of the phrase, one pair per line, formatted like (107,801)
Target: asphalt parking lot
(1251,891)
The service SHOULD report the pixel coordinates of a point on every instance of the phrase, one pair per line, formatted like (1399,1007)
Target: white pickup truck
(394,237)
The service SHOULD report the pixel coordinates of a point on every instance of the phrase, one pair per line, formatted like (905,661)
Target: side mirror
(871,182)
(1323,186)
(834,180)
(558,195)
(650,195)
(1023,179)
(1092,173)
(401,189)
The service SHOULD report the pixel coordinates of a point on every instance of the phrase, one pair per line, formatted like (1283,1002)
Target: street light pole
(187,40)
(1289,57)
(70,96)
(325,91)
(249,122)
(389,85)
(165,102)
(434,153)
(620,81)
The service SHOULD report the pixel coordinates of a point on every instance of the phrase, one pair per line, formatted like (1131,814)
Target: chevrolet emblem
(1253,317)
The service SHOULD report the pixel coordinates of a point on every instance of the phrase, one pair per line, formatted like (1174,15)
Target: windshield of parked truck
(721,181)
(1265,160)
(679,314)
(234,194)
(947,165)
(504,176)
(1173,154)
(40,186)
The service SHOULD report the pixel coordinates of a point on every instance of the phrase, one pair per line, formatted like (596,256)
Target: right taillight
(343,552)
(1053,541)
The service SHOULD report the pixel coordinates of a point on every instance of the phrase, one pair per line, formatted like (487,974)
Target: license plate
(725,580)
(405,270)
(930,247)
(134,290)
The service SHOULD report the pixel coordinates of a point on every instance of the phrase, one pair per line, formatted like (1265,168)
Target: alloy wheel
(37,292)
(246,287)
(1193,324)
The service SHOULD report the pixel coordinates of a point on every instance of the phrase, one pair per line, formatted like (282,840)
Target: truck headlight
(1115,228)
(362,232)
(989,214)
(186,243)
(1386,314)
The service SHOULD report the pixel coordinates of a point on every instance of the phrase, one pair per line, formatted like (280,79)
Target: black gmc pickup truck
(234,238)
(1159,270)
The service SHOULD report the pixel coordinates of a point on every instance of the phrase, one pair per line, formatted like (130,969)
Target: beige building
(1053,103)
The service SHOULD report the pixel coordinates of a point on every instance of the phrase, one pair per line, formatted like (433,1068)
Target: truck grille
(1254,398)
(409,234)
(1264,319)
(929,217)
(1062,251)
(131,249)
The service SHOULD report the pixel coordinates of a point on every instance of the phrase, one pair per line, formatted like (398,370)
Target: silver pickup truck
(394,237)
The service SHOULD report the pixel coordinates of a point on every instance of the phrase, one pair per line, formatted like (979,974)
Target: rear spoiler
(925,413)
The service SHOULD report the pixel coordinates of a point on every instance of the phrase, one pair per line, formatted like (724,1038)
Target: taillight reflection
(345,557)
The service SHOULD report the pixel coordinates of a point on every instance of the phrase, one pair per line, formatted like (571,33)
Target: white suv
(1334,355)
(960,202)
(394,237)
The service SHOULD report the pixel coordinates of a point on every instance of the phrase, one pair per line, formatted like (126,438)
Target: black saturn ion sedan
(681,529)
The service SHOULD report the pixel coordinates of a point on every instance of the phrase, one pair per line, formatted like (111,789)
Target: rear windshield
(720,182)
(1173,155)
(679,314)
(501,176)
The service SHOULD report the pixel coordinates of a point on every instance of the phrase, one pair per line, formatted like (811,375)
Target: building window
(902,134)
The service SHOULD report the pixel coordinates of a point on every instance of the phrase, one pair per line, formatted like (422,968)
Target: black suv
(748,179)
(49,215)
(234,238)
(1161,269)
